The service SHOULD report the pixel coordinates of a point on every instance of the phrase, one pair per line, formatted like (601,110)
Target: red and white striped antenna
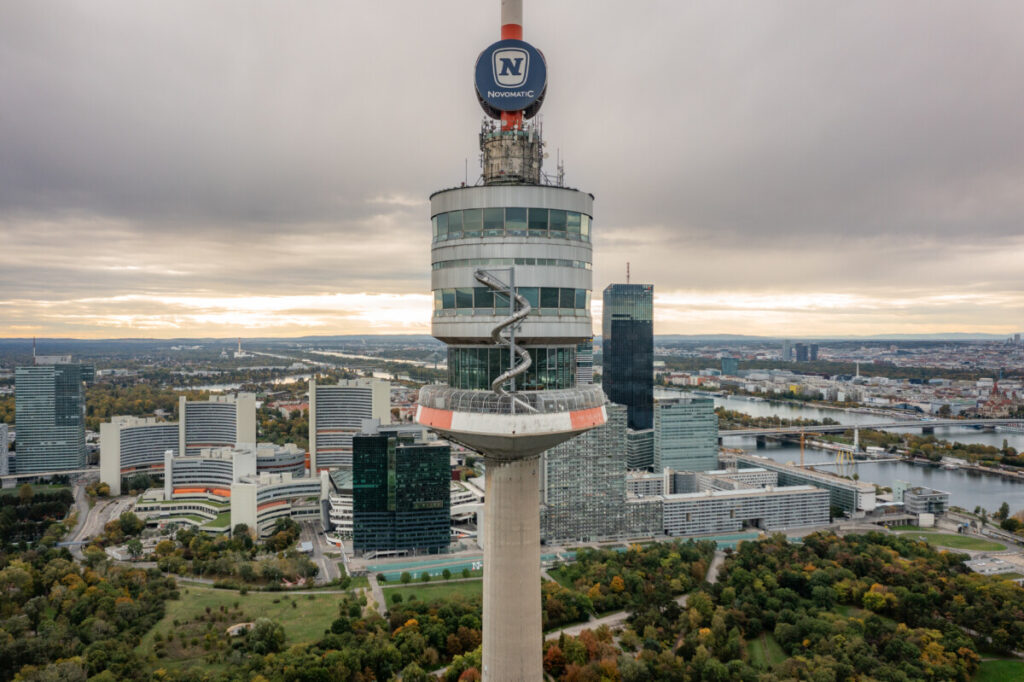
(511,29)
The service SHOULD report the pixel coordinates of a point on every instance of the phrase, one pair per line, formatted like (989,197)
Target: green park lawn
(956,541)
(436,590)
(765,652)
(1000,671)
(303,622)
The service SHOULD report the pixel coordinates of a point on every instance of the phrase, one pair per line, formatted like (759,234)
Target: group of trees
(642,578)
(277,428)
(362,646)
(236,559)
(88,618)
(731,419)
(934,449)
(861,607)
(104,400)
(27,516)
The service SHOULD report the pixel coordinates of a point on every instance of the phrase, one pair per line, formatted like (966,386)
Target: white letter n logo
(511,66)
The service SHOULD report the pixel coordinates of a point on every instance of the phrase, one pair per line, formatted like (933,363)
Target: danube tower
(511,277)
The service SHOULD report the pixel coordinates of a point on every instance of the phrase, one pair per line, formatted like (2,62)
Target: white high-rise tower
(512,280)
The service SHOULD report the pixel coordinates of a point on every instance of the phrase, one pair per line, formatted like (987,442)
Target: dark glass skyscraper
(628,347)
(400,495)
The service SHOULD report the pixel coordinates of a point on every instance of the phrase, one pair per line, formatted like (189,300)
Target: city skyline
(790,171)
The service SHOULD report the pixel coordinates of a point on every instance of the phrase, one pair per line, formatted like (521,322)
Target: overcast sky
(262,168)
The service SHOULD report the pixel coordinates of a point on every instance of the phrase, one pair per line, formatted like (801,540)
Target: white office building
(131,445)
(336,414)
(221,421)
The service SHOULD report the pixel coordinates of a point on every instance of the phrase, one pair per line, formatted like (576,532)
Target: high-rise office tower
(730,366)
(401,498)
(787,350)
(685,434)
(628,348)
(800,350)
(512,280)
(49,406)
(812,352)
(222,421)
(130,445)
(583,493)
(336,414)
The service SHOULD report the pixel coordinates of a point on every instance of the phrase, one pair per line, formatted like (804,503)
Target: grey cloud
(260,148)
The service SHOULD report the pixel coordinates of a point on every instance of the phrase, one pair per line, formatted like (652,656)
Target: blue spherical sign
(511,75)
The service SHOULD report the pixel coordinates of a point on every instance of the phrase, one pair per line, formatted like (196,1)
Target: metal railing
(443,397)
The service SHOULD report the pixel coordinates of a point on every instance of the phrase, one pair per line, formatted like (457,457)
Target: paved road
(328,567)
(92,521)
(377,595)
(82,506)
(716,565)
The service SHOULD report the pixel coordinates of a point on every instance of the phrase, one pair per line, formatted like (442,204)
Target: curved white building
(336,415)
(221,421)
(131,445)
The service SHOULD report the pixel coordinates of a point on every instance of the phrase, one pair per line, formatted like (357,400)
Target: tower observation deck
(512,280)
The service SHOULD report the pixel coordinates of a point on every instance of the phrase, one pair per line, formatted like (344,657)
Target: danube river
(966,488)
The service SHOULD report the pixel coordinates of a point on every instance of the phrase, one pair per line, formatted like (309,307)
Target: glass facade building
(640,448)
(685,434)
(400,495)
(628,349)
(49,407)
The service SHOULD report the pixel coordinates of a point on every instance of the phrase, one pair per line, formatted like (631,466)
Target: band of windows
(475,368)
(484,301)
(511,221)
(474,262)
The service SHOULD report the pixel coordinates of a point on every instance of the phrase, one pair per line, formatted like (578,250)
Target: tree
(265,637)
(131,524)
(1011,525)
(446,574)
(94,556)
(134,548)
(241,530)
(1003,513)
(414,673)
(425,577)
(406,577)
(25,493)
(945,411)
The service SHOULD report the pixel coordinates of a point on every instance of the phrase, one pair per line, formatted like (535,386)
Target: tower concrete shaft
(512,633)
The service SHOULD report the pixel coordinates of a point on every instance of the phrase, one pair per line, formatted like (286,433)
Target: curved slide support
(522,310)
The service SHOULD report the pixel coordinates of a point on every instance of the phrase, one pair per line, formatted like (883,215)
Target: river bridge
(926,426)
